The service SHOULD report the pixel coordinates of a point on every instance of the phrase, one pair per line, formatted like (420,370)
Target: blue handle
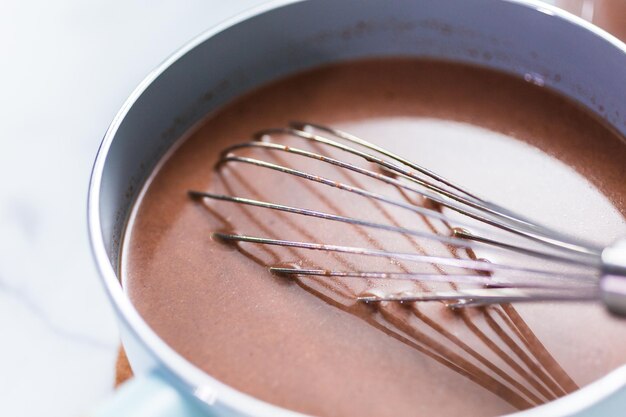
(150,395)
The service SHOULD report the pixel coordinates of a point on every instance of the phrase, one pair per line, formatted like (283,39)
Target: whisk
(600,273)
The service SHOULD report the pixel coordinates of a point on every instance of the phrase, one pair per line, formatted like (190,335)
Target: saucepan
(524,37)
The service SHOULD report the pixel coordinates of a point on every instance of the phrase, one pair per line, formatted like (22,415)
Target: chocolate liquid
(305,344)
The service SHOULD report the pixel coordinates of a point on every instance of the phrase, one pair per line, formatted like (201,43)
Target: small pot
(524,37)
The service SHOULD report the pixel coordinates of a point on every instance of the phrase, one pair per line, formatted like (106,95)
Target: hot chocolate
(306,344)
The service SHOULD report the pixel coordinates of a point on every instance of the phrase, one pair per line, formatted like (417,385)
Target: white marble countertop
(66,67)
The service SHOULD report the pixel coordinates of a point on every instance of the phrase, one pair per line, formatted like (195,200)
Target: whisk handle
(613,281)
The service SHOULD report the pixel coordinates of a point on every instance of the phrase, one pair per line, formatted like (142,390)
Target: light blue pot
(524,37)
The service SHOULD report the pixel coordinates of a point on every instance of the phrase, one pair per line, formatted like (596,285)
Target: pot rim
(202,385)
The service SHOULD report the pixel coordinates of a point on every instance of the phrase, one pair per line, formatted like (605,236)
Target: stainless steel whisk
(601,272)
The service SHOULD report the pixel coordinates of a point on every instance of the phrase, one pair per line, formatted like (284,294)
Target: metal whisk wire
(401,173)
